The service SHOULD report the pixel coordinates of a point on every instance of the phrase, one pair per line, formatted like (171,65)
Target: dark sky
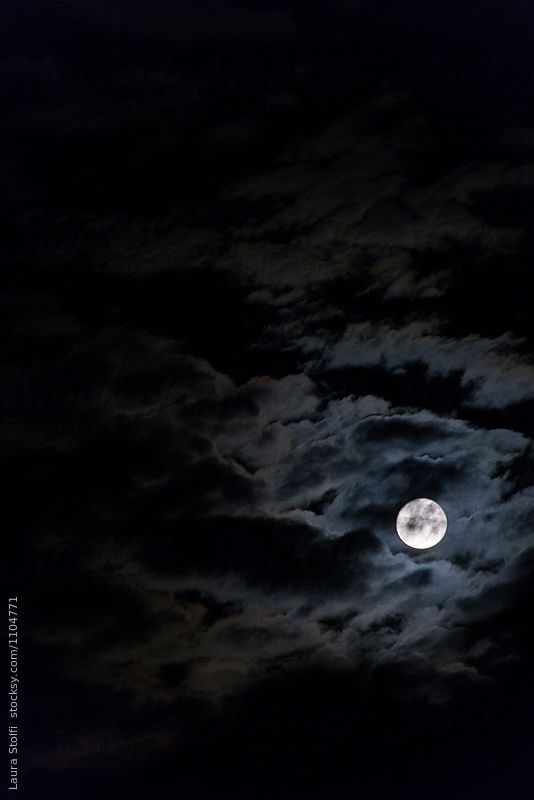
(266,278)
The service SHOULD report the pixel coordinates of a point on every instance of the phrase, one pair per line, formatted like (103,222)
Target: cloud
(494,370)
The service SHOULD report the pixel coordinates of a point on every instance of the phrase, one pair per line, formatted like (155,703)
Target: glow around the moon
(421,523)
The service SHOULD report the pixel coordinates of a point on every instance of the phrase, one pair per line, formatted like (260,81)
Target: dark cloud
(519,472)
(402,428)
(275,554)
(411,386)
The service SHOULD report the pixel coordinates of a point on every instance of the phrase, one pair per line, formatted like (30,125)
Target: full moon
(421,523)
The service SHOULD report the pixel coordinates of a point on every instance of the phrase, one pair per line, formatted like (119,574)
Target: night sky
(266,278)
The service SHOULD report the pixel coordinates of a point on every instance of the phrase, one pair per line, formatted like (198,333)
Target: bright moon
(421,523)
